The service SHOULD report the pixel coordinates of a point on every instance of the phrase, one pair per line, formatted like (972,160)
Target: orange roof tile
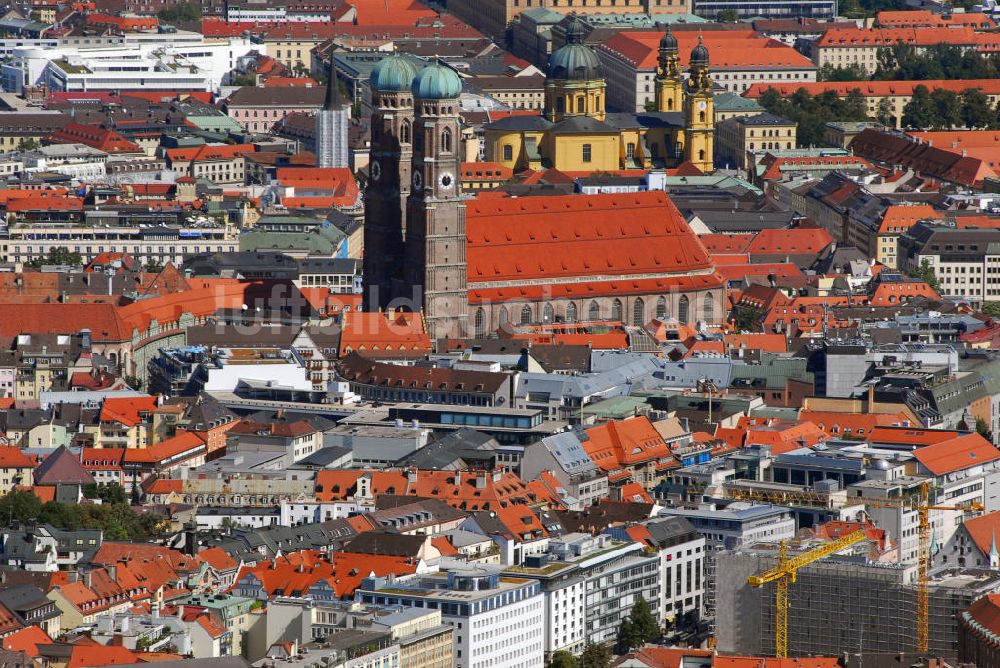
(635,493)
(217,558)
(875,88)
(88,656)
(618,444)
(27,640)
(368,331)
(899,218)
(127,410)
(730,49)
(959,453)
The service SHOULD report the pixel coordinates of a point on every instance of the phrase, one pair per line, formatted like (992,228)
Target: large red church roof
(599,236)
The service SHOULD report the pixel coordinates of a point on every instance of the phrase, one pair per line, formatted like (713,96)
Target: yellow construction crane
(923,507)
(784,574)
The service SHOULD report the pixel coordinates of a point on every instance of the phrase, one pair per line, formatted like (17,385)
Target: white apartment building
(164,64)
(146,243)
(966,262)
(498,621)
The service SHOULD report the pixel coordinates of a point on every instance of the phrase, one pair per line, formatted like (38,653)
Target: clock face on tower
(418,181)
(376,170)
(446,180)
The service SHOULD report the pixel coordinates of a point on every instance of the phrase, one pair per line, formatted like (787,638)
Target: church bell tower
(699,112)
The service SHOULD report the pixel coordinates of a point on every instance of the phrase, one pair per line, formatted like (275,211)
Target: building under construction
(842,605)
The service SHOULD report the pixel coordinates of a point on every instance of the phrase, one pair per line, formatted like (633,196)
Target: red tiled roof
(875,88)
(959,453)
(618,444)
(26,640)
(730,49)
(126,410)
(12,457)
(524,239)
(368,331)
(184,445)
(100,138)
(217,558)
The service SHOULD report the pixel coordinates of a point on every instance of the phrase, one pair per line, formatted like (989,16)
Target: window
(560,105)
(638,312)
(525,314)
(708,309)
(504,316)
(630,151)
(571,312)
(404,133)
(580,105)
(446,141)
(508,152)
(480,323)
(661,308)
(616,310)
(683,307)
(549,313)
(587,152)
(594,312)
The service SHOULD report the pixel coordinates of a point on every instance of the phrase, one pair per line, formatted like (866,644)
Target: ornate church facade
(577,133)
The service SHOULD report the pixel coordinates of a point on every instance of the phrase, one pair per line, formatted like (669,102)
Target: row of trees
(943,109)
(903,62)
(115,516)
(812,113)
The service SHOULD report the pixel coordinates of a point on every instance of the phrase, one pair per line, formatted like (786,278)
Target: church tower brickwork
(699,112)
(389,183)
(669,84)
(435,232)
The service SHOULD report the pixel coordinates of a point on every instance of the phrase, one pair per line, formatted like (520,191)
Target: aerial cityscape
(500,333)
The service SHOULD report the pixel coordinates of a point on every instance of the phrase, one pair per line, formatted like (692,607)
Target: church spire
(994,555)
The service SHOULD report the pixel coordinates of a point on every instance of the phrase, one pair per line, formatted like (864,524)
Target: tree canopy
(182,11)
(59,255)
(115,516)
(812,113)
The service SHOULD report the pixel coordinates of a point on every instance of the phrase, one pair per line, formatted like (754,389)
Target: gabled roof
(62,467)
(618,444)
(956,454)
(127,410)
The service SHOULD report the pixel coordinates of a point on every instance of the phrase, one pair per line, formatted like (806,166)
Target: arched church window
(525,314)
(480,323)
(683,310)
(638,312)
(404,133)
(446,141)
(708,309)
(616,310)
(594,312)
(549,313)
(661,308)
(571,312)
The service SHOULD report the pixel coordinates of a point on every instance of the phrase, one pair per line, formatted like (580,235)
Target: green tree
(58,256)
(134,382)
(926,273)
(991,309)
(628,639)
(182,11)
(595,656)
(884,114)
(830,72)
(976,111)
(29,144)
(643,621)
(562,659)
(948,105)
(20,505)
(649,106)
(153,267)
(921,112)
(982,428)
(728,16)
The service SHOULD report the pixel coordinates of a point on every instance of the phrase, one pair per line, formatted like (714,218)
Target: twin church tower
(415,216)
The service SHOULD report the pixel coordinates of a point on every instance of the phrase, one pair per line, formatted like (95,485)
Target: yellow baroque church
(576,133)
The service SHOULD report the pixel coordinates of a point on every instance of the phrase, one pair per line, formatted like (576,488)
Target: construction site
(841,605)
